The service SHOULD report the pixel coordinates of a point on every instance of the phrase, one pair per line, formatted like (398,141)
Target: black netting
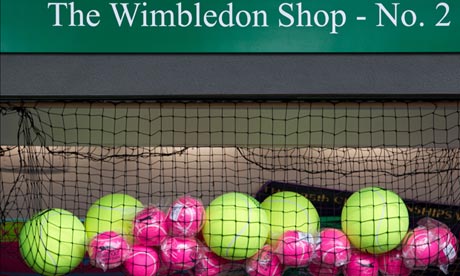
(67,156)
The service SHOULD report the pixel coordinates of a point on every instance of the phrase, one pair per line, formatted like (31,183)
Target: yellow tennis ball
(53,242)
(235,227)
(112,212)
(375,220)
(290,211)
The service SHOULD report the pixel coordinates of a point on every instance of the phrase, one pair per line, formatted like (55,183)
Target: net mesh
(69,155)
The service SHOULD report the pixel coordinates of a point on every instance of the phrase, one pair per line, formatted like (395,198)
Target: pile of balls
(237,233)
(376,221)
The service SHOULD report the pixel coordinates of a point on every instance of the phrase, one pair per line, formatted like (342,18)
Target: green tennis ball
(235,227)
(112,212)
(290,211)
(53,242)
(375,220)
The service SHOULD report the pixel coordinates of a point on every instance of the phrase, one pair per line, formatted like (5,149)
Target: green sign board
(226,26)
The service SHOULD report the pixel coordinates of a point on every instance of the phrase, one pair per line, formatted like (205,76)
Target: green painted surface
(240,26)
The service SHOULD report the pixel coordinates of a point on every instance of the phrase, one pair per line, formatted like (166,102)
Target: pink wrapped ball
(264,263)
(208,263)
(142,261)
(108,250)
(295,248)
(391,264)
(419,250)
(447,245)
(334,248)
(178,253)
(186,217)
(150,227)
(361,264)
(317,269)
